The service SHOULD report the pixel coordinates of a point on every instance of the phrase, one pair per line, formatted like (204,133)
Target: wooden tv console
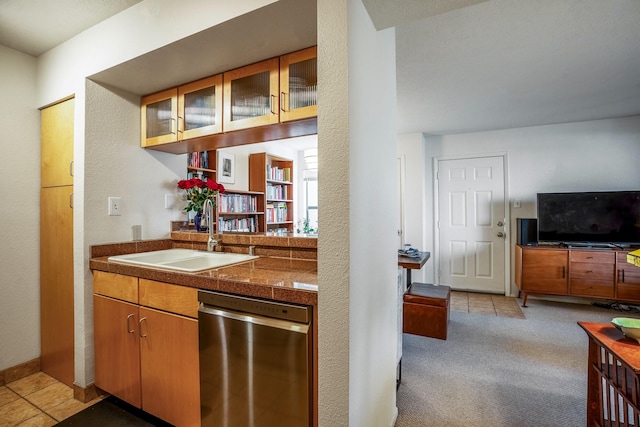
(580,272)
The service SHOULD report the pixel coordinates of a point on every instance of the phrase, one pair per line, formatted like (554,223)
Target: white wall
(19,210)
(584,156)
(357,258)
(114,165)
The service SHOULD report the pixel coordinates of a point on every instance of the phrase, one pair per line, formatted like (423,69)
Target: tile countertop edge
(204,281)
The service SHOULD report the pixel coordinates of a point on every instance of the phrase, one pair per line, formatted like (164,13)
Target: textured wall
(19,213)
(357,243)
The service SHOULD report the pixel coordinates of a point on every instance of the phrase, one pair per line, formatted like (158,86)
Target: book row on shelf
(278,192)
(277,212)
(197,174)
(249,224)
(240,203)
(277,174)
(198,159)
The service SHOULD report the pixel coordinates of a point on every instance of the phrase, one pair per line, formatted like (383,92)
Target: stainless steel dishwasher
(255,362)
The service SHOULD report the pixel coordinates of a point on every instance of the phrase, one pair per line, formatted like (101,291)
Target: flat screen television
(590,218)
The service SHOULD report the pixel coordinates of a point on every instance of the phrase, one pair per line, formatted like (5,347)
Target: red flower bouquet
(198,191)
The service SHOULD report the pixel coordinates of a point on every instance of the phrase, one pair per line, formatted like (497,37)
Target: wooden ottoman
(425,310)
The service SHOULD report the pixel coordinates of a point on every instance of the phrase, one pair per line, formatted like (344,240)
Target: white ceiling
(462,65)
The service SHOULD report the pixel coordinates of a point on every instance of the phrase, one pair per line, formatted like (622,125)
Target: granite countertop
(280,279)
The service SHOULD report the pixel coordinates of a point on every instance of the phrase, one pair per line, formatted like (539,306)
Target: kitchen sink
(187,260)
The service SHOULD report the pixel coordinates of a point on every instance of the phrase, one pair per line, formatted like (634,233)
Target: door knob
(500,223)
(501,234)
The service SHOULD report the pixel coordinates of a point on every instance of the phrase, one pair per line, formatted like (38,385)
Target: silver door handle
(129,328)
(144,319)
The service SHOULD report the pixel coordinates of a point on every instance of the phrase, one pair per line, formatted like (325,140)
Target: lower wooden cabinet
(627,279)
(576,272)
(148,356)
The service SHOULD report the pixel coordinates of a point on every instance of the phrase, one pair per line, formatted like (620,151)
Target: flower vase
(197,220)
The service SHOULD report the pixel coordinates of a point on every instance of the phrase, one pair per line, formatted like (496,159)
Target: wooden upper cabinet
(56,141)
(159,118)
(188,111)
(251,96)
(299,85)
(200,108)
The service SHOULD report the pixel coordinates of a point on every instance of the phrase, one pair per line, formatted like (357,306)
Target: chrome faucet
(207,211)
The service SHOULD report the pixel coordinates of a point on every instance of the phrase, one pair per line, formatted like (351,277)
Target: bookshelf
(273,176)
(236,210)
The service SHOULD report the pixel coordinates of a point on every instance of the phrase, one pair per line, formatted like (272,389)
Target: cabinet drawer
(592,288)
(593,257)
(583,270)
(172,298)
(116,286)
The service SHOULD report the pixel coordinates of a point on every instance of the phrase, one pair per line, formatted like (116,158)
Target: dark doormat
(112,412)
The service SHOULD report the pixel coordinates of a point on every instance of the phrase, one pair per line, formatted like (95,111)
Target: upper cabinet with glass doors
(251,96)
(188,111)
(298,85)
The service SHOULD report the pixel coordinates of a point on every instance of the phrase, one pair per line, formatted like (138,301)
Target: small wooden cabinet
(188,111)
(146,345)
(589,273)
(541,271)
(299,84)
(627,279)
(273,176)
(251,95)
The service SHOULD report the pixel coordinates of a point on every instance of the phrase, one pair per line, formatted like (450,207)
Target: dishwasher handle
(207,310)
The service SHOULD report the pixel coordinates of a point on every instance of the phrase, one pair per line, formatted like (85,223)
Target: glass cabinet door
(200,108)
(251,96)
(298,85)
(159,115)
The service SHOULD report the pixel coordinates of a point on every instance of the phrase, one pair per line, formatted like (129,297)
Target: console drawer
(592,288)
(583,270)
(593,257)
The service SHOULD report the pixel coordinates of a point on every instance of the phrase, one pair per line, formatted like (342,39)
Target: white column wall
(358,218)
(19,210)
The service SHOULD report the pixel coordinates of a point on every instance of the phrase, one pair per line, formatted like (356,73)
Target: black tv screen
(589,217)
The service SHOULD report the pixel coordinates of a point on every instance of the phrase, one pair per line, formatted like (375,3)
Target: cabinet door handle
(141,334)
(282,98)
(129,328)
(622,275)
(173,125)
(179,128)
(71,200)
(71,168)
(271,104)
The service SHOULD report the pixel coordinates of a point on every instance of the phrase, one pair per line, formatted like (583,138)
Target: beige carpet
(500,371)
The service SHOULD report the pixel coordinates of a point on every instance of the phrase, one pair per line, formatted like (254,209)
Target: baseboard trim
(19,371)
(86,394)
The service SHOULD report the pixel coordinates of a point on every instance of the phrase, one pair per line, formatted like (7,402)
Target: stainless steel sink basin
(182,259)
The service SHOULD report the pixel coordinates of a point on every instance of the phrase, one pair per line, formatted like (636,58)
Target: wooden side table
(409,263)
(613,387)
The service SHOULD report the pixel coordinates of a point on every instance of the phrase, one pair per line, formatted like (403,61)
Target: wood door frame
(507,214)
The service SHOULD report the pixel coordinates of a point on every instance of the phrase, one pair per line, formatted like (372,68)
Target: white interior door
(471,224)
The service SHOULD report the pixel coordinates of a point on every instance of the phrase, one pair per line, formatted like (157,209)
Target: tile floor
(37,401)
(492,305)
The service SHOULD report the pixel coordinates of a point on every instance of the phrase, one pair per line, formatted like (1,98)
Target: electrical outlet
(114,206)
(136,232)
